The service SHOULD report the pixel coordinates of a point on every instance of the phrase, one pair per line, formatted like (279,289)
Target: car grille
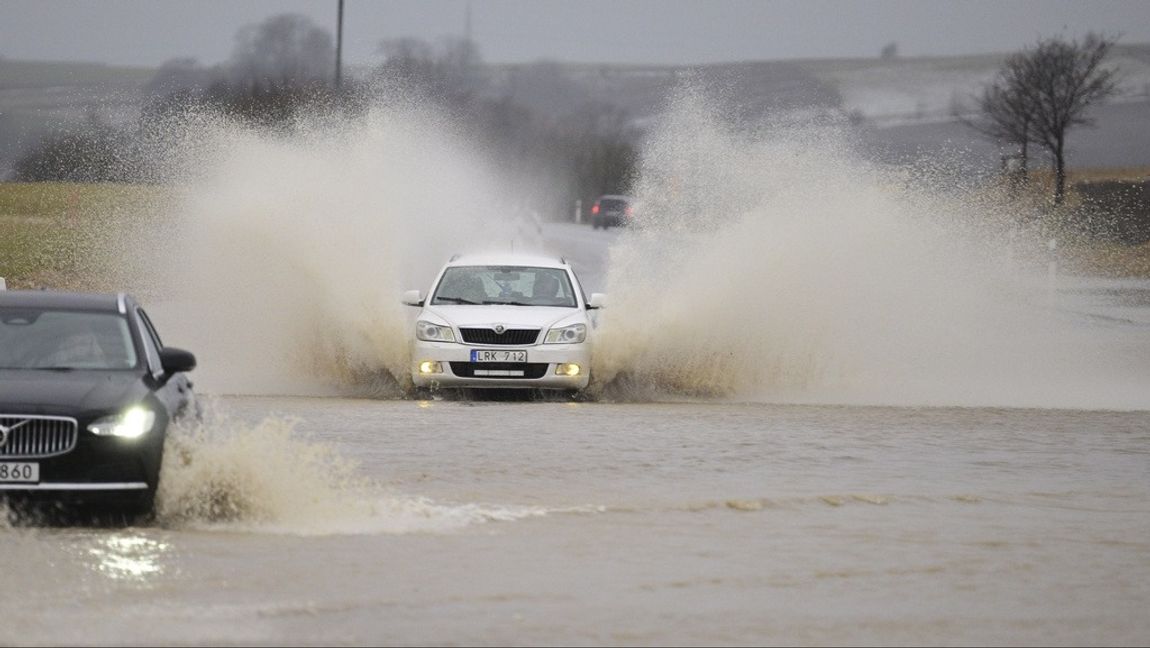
(505,370)
(36,436)
(516,337)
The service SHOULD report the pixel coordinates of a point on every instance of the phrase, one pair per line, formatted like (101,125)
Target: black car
(612,210)
(87,392)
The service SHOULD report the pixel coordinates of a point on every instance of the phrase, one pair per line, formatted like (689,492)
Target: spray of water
(291,252)
(225,474)
(776,264)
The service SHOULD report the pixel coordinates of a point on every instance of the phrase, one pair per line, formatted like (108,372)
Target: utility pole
(339,46)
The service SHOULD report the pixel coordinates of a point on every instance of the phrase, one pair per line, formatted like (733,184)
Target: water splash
(774,263)
(777,264)
(268,478)
(293,250)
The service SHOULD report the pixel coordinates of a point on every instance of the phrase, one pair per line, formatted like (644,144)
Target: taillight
(595,208)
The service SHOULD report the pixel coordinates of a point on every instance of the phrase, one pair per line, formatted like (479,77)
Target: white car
(503,321)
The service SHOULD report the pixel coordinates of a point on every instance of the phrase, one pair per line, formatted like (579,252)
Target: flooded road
(720,520)
(560,523)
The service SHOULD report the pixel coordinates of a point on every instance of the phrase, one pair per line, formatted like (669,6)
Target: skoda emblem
(499,328)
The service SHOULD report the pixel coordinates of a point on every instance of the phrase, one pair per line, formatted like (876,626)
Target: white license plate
(19,473)
(500,355)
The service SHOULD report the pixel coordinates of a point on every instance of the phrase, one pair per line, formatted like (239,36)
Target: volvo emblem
(499,328)
(5,432)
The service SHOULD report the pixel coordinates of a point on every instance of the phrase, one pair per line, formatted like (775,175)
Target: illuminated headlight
(429,332)
(568,369)
(573,334)
(132,424)
(430,367)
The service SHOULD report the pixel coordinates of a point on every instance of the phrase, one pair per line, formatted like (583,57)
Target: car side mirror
(413,298)
(598,300)
(175,360)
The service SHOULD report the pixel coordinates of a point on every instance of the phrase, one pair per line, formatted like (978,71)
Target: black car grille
(514,337)
(36,436)
(497,370)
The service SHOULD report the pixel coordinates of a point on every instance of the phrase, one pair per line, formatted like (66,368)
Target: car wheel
(137,510)
(145,506)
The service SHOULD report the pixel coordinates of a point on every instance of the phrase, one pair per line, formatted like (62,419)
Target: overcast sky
(148,32)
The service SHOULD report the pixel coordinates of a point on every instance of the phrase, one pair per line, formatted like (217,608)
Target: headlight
(573,334)
(425,330)
(132,424)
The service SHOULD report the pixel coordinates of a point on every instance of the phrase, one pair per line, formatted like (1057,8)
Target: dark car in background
(87,394)
(612,210)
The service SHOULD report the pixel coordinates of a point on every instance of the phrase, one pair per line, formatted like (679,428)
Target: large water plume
(775,263)
(289,252)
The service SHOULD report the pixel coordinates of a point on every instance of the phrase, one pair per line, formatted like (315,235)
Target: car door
(176,393)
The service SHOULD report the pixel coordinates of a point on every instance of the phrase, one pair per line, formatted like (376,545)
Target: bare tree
(286,50)
(408,59)
(177,75)
(1041,93)
(1062,80)
(1006,111)
(447,72)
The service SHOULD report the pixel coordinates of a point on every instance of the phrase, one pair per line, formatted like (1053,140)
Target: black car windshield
(61,339)
(509,285)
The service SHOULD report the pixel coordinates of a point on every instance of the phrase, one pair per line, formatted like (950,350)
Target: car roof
(615,197)
(51,299)
(511,259)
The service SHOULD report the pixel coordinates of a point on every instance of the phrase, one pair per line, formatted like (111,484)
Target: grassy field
(51,74)
(1107,259)
(55,235)
(64,235)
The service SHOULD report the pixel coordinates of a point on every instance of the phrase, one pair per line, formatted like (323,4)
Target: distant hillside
(884,90)
(48,74)
(38,96)
(904,106)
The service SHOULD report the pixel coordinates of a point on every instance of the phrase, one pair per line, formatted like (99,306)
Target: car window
(60,339)
(612,204)
(151,339)
(512,285)
(151,329)
(582,288)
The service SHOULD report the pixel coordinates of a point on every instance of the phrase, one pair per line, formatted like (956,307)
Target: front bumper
(96,466)
(551,355)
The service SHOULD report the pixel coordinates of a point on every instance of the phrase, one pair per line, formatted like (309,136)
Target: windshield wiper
(507,303)
(458,300)
(53,368)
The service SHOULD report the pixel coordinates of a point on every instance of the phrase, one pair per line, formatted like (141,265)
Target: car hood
(72,393)
(509,316)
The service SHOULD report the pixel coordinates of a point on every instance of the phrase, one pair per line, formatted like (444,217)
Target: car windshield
(60,339)
(509,285)
(612,204)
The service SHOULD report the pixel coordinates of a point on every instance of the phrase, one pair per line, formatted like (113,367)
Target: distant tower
(467,22)
(339,45)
